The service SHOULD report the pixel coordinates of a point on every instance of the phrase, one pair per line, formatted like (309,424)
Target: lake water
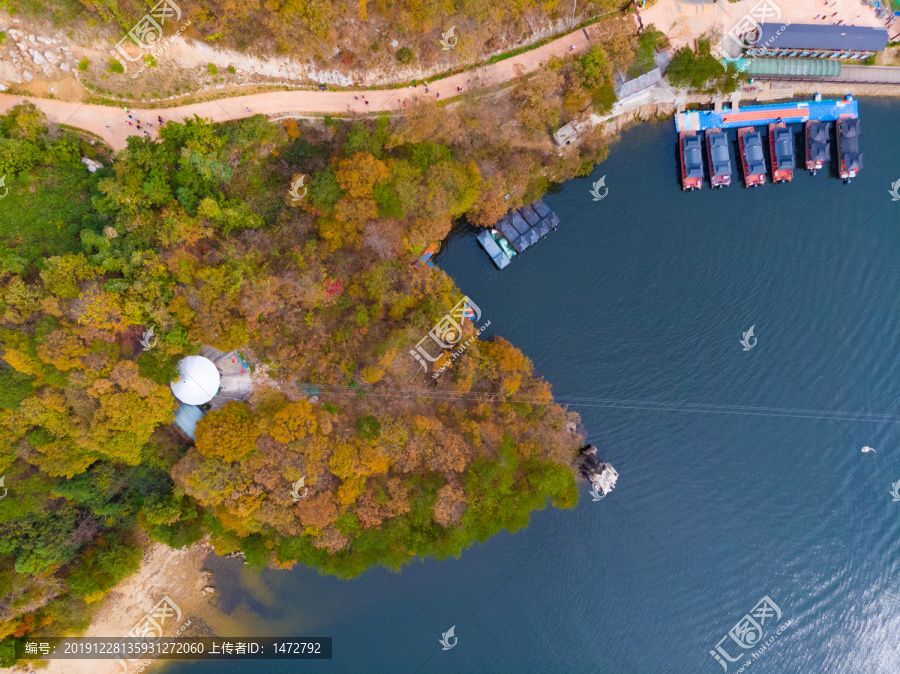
(637,303)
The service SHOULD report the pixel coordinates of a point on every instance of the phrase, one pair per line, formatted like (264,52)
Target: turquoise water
(641,299)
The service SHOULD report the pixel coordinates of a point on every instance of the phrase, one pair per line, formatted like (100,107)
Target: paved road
(870,74)
(111,123)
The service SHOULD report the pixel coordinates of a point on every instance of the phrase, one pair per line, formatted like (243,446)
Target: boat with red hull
(781,151)
(818,146)
(753,157)
(718,151)
(849,156)
(690,155)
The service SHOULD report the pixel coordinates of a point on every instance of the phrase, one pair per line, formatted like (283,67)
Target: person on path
(439,94)
(426,90)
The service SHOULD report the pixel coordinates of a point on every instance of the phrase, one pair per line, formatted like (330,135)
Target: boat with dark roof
(753,157)
(818,146)
(719,155)
(691,156)
(781,150)
(849,156)
(517,230)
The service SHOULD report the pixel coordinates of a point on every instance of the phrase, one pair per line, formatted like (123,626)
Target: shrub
(404,55)
(231,70)
(116,67)
(211,67)
(83,64)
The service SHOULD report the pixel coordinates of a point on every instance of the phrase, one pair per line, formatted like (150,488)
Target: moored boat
(690,155)
(818,147)
(781,151)
(719,155)
(848,154)
(753,158)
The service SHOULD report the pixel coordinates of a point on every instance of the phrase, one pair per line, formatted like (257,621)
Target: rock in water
(597,472)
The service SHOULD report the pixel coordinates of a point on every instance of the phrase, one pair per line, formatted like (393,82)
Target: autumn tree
(293,422)
(228,434)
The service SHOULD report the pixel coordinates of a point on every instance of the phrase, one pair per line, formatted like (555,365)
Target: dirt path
(111,123)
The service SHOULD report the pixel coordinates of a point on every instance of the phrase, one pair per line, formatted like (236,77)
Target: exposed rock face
(23,59)
(600,474)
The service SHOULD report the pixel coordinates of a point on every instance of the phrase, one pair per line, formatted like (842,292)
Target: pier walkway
(759,115)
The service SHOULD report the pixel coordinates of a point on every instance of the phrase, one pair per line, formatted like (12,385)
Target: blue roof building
(818,41)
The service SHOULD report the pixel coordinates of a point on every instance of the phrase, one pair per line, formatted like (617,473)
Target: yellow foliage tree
(293,422)
(229,434)
(63,350)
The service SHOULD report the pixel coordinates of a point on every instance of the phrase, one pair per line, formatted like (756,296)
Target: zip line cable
(615,403)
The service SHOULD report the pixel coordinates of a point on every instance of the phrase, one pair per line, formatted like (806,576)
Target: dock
(516,231)
(762,115)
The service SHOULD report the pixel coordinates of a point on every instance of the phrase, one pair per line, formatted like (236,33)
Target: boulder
(27,76)
(9,73)
(92,165)
(600,474)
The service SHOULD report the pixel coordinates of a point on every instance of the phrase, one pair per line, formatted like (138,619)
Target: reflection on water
(645,296)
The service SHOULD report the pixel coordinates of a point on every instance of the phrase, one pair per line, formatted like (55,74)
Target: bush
(231,70)
(368,428)
(211,67)
(83,64)
(404,55)
(116,67)
(112,559)
(701,70)
(14,388)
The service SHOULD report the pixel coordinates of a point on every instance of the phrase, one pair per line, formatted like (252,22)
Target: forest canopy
(195,234)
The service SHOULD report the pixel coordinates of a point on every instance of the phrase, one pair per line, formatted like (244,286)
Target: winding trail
(111,123)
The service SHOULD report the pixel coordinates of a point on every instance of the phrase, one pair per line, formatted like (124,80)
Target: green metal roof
(760,67)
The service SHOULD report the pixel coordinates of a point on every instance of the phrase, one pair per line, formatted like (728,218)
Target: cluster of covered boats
(782,153)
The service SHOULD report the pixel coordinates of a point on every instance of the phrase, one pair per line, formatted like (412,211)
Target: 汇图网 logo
(895,490)
(447,333)
(296,487)
(746,32)
(446,639)
(146,337)
(745,342)
(748,634)
(448,39)
(147,34)
(894,191)
(295,187)
(595,192)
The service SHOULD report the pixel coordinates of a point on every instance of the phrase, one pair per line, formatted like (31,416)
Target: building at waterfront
(810,41)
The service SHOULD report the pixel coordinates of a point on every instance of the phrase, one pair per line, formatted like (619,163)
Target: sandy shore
(178,575)
(686,20)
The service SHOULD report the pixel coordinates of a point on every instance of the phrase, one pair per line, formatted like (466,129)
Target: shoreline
(177,578)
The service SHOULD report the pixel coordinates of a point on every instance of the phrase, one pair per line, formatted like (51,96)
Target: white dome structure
(198,382)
